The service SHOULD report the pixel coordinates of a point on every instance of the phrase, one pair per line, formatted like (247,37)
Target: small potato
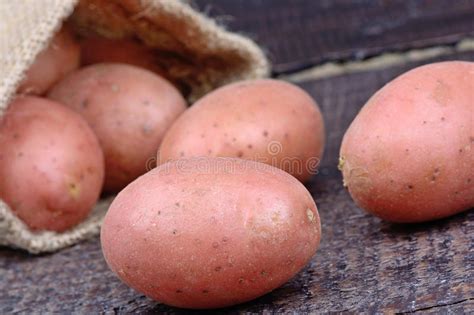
(58,59)
(129,109)
(210,232)
(51,164)
(103,50)
(409,154)
(268,121)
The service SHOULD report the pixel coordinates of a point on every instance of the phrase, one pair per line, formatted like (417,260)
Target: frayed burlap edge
(196,52)
(14,233)
(33,23)
(32,30)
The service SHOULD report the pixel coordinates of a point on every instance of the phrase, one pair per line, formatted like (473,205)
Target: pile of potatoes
(72,134)
(224,217)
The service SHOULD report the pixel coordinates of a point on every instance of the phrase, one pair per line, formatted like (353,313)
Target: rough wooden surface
(298,34)
(363,264)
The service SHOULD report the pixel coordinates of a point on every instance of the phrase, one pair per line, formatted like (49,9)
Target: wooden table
(363,264)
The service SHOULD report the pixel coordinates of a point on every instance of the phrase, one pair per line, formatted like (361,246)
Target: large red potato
(269,121)
(409,154)
(51,164)
(129,109)
(210,232)
(54,62)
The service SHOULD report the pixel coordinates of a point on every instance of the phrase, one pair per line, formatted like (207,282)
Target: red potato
(58,59)
(51,164)
(409,154)
(210,232)
(102,50)
(129,109)
(268,121)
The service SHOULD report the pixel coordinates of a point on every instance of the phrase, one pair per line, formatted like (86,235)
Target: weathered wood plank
(298,34)
(363,264)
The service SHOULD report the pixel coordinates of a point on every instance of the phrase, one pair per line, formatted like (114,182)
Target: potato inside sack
(51,164)
(59,58)
(408,156)
(129,109)
(191,51)
(103,50)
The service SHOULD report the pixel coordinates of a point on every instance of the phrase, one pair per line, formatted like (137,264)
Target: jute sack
(197,54)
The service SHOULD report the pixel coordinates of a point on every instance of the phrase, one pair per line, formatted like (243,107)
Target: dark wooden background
(298,34)
(363,264)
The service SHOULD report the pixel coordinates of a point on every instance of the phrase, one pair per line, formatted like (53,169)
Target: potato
(409,154)
(210,232)
(58,59)
(129,109)
(268,121)
(51,164)
(103,50)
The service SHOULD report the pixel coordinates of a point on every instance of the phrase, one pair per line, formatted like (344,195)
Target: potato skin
(51,164)
(58,59)
(210,232)
(129,109)
(409,154)
(268,121)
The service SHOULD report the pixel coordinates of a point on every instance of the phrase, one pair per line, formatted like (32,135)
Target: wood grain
(363,264)
(298,34)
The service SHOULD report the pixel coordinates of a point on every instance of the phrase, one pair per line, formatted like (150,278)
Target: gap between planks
(330,69)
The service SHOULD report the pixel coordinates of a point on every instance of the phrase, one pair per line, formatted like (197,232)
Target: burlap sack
(197,54)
